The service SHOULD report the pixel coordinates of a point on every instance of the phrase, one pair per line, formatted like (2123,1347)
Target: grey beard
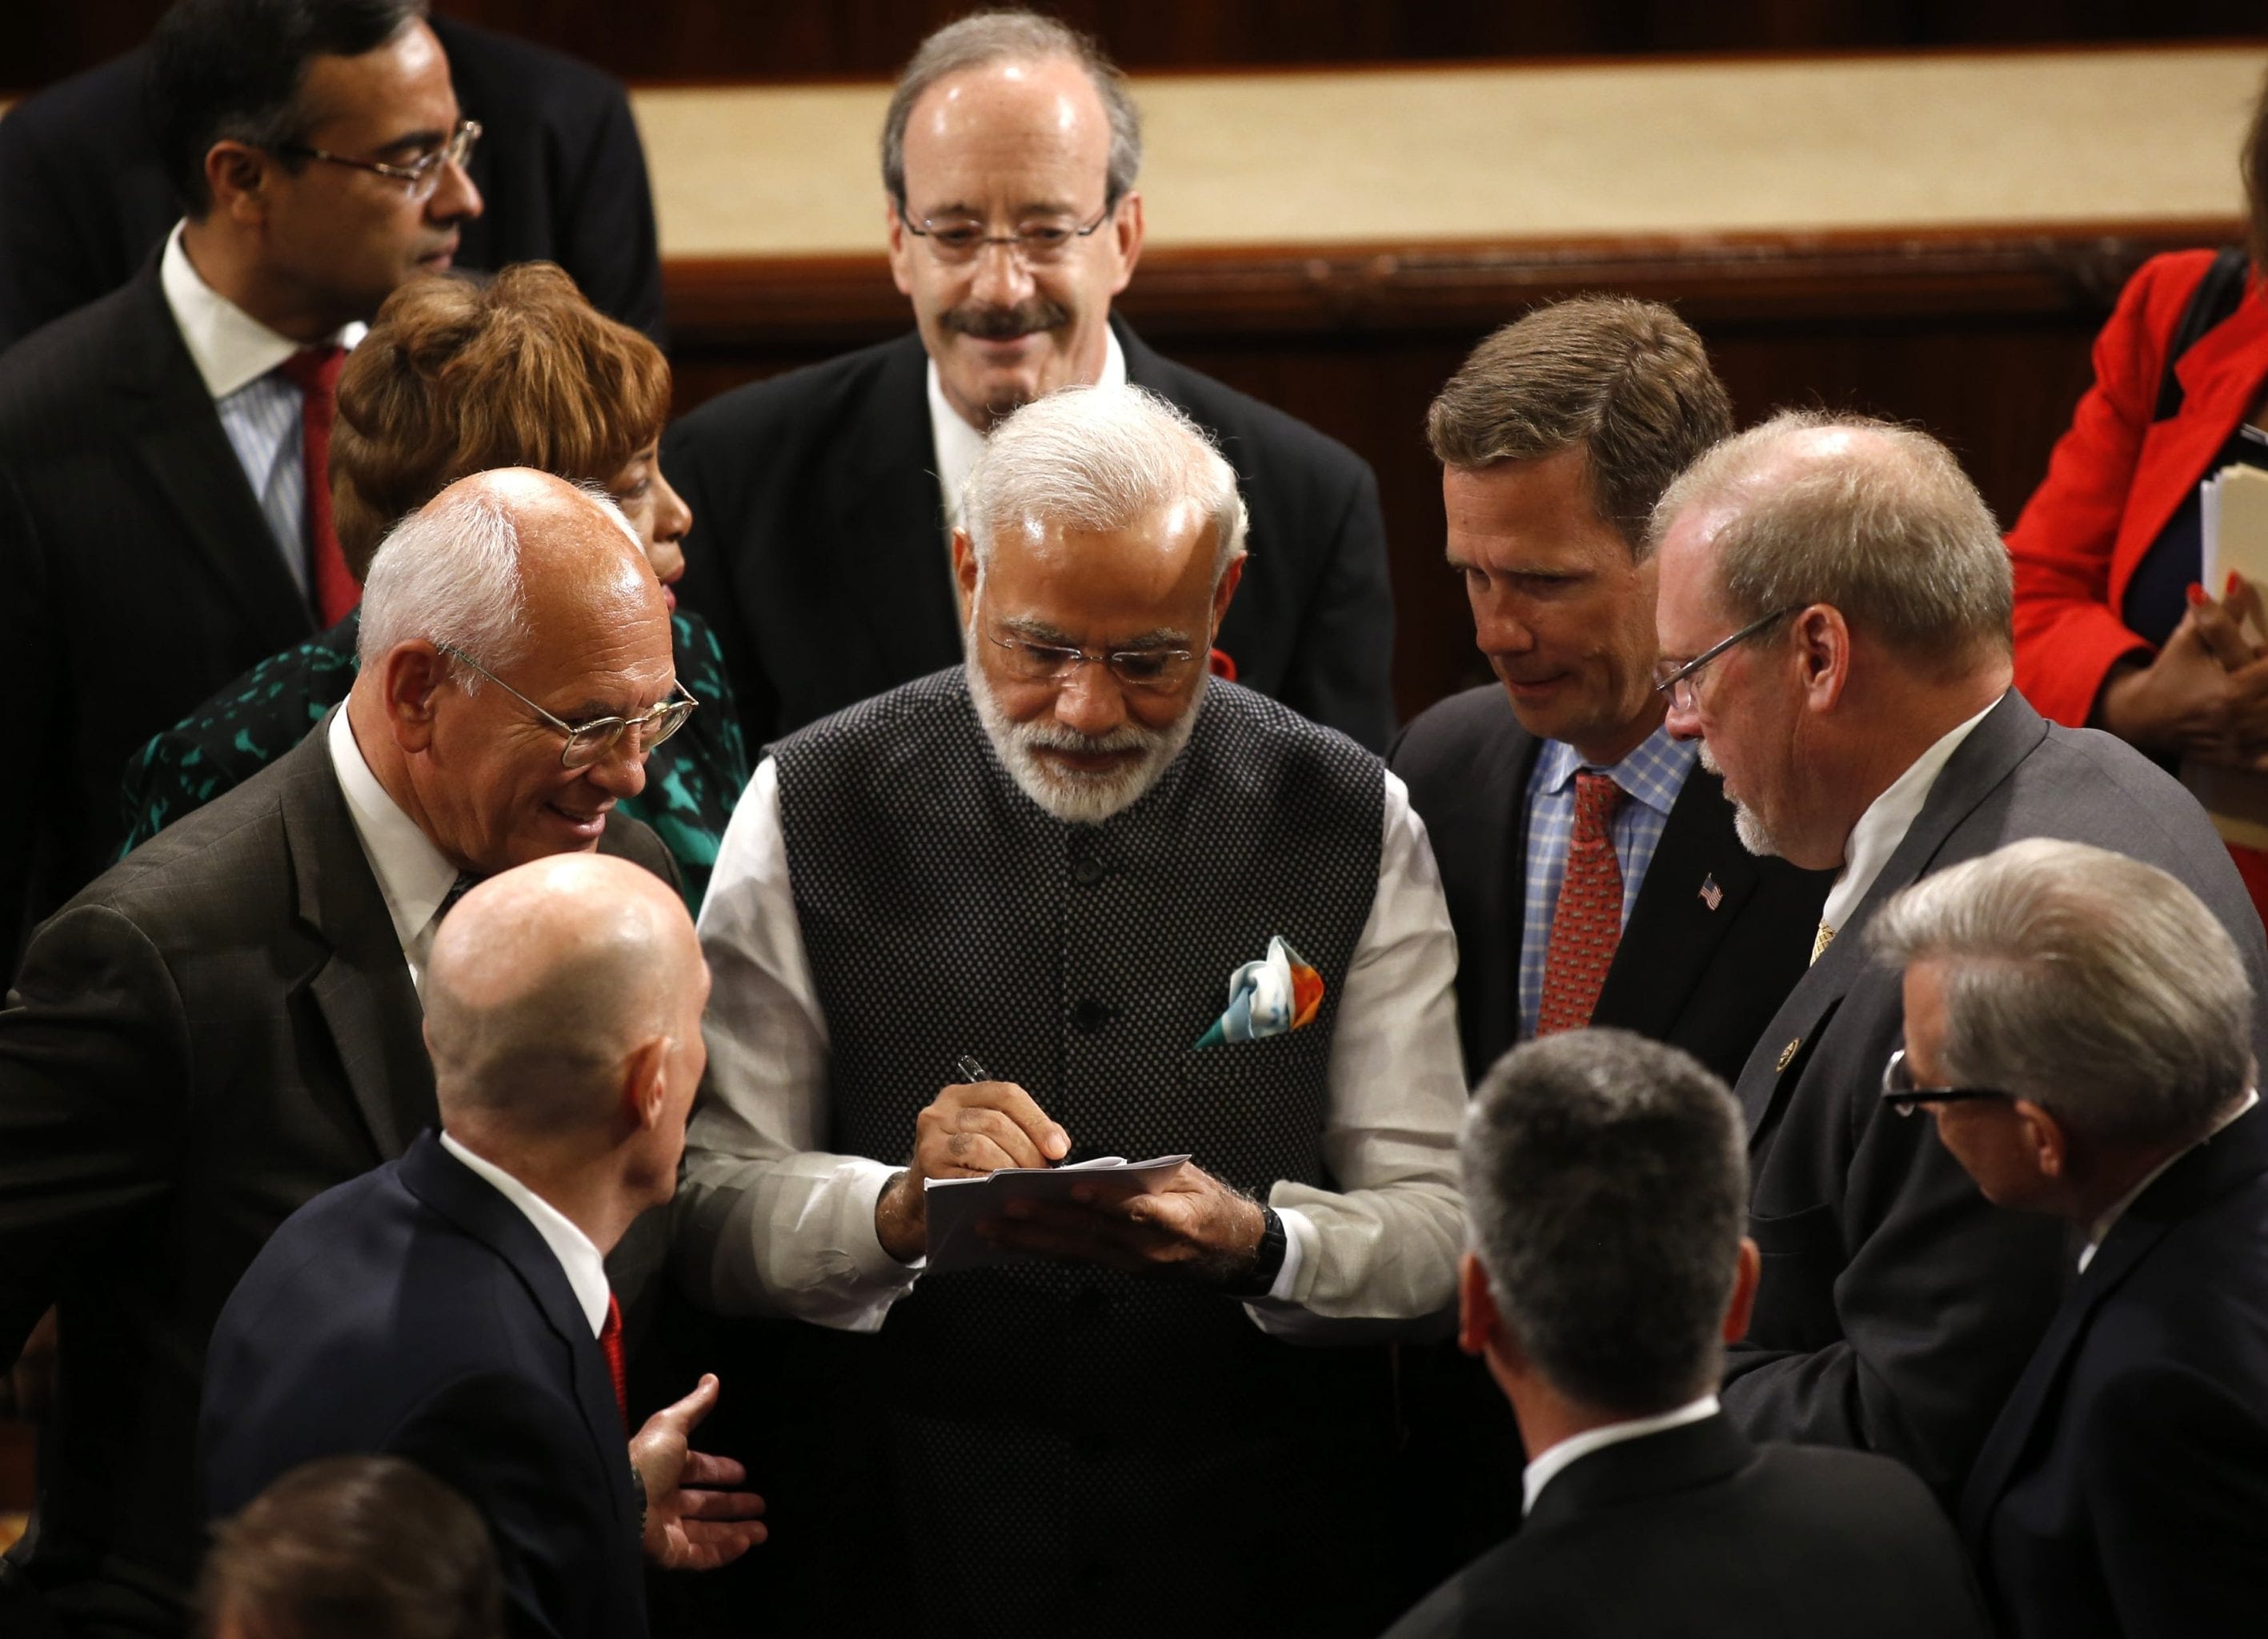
(1073,798)
(1747,824)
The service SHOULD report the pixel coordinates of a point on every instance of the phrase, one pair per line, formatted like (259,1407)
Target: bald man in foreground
(452,1307)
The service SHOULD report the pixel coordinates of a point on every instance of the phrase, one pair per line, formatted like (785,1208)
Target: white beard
(1071,796)
(1747,824)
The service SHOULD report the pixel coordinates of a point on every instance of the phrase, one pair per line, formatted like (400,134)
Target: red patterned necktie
(1588,923)
(314,370)
(610,1344)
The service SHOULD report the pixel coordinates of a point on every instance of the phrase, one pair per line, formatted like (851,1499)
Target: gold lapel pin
(1787,1055)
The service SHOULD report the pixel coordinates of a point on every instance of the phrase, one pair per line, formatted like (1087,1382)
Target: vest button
(1086,871)
(1091,1016)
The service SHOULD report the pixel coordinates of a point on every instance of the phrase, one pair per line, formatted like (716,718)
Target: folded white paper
(954,1205)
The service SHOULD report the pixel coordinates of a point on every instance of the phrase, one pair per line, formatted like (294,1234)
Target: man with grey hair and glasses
(227,1022)
(1069,899)
(824,500)
(2080,1028)
(1834,623)
(1606,1187)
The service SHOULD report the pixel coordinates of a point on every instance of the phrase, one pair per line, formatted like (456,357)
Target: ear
(1224,590)
(1743,1303)
(411,673)
(237,176)
(646,1084)
(2044,1139)
(1822,652)
(1478,1323)
(900,244)
(1126,238)
(964,573)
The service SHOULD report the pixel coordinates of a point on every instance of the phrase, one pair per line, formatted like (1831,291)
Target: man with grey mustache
(1054,860)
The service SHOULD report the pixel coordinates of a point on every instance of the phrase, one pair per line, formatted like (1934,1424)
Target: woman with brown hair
(458,377)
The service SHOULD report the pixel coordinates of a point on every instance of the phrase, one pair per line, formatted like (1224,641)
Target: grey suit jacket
(1898,1307)
(214,1031)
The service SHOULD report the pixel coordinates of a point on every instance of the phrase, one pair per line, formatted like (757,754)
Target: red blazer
(2116,477)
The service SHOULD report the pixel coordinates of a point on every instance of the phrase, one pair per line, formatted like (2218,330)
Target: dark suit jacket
(414,1311)
(818,549)
(1898,1306)
(140,576)
(84,199)
(2124,1488)
(1695,1531)
(215,1031)
(1701,979)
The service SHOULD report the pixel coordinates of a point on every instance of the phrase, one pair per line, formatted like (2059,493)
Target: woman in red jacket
(2113,628)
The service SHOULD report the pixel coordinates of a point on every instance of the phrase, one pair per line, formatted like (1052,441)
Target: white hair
(450,574)
(1099,459)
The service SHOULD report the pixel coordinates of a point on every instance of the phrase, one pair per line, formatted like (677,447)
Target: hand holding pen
(976,1126)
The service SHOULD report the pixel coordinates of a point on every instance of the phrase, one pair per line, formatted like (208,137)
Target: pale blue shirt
(1650,777)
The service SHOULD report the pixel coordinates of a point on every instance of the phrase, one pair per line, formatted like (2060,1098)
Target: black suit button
(1091,1016)
(1090,1303)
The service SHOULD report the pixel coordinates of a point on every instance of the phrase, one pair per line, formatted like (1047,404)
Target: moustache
(1005,324)
(1056,736)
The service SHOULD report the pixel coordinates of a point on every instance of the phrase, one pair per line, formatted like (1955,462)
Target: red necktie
(314,370)
(610,1344)
(1588,923)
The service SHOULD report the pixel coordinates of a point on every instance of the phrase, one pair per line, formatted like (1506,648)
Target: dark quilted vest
(1059,1431)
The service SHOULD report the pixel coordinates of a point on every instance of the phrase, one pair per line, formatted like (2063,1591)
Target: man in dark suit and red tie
(159,530)
(2079,1025)
(453,1307)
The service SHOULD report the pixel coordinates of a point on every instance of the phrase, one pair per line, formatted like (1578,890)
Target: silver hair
(1099,459)
(1606,1182)
(450,573)
(1012,36)
(1887,528)
(2092,984)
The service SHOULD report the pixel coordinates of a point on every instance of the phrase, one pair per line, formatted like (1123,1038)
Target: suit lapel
(1674,932)
(169,419)
(2009,733)
(898,569)
(2231,1157)
(363,990)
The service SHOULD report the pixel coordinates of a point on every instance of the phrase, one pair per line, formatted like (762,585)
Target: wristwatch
(1267,1259)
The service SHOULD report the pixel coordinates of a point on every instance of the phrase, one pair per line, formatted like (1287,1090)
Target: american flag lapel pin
(1712,895)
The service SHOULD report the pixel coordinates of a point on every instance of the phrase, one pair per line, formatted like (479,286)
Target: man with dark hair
(352,1547)
(159,529)
(1835,620)
(2080,1028)
(824,499)
(1605,1185)
(84,199)
(227,1022)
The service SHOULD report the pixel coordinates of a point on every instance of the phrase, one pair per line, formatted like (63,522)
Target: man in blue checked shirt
(1592,868)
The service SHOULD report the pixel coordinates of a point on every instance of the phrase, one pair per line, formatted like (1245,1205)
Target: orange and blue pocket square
(1277,994)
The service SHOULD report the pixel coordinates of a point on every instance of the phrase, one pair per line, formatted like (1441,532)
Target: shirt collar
(2100,1231)
(1652,773)
(230,349)
(1887,820)
(957,444)
(583,1264)
(412,874)
(1553,1459)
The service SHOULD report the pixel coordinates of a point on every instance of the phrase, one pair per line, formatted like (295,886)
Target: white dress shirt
(2100,1231)
(1886,822)
(237,357)
(1553,1459)
(957,444)
(769,1223)
(412,875)
(580,1258)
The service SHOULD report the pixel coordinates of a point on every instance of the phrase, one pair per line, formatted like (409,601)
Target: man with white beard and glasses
(1055,862)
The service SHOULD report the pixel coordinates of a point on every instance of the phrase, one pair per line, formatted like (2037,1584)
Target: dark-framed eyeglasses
(1678,681)
(1036,242)
(423,175)
(1155,671)
(588,742)
(1900,1093)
